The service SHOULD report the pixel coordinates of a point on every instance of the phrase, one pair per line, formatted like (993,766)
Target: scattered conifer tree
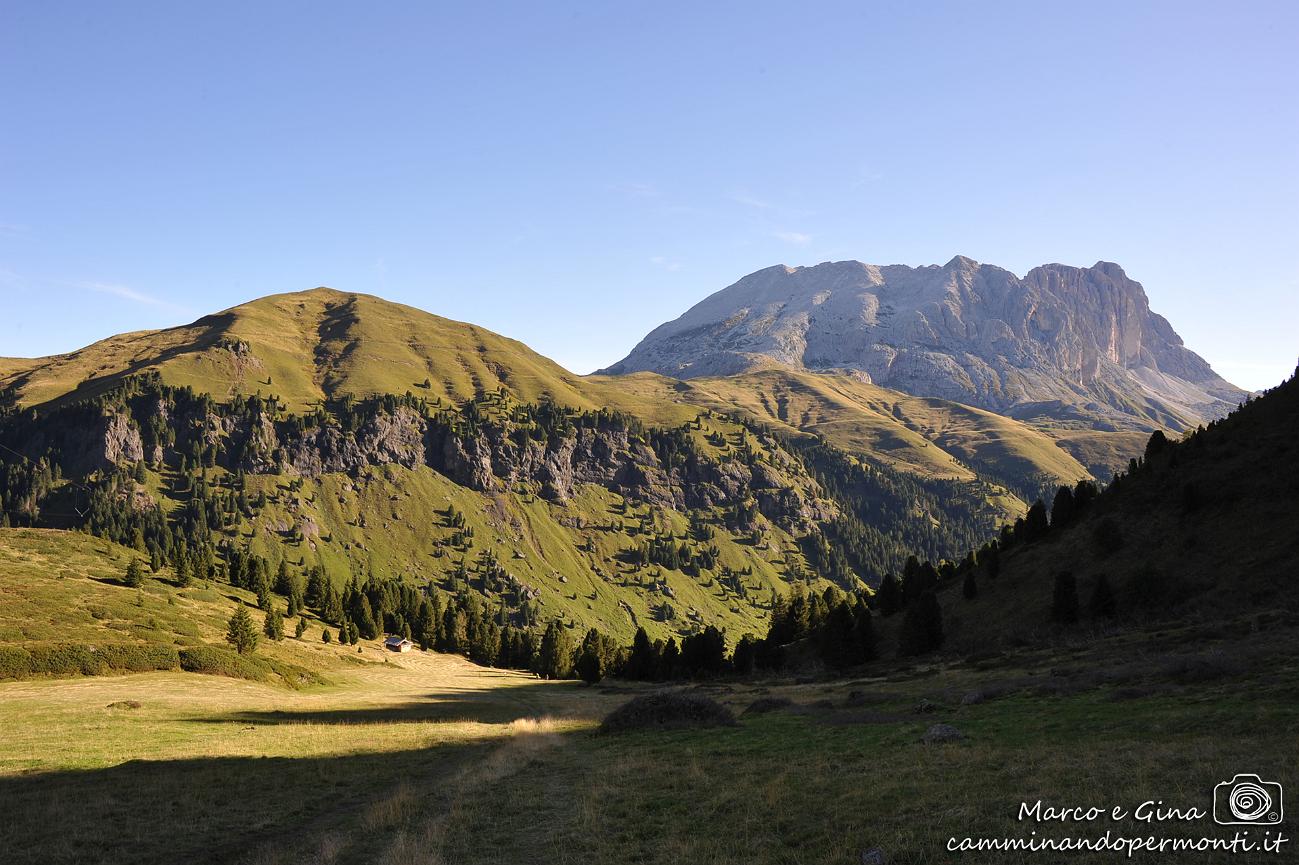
(1107,536)
(889,597)
(1035,523)
(1064,600)
(990,560)
(671,659)
(1149,587)
(704,653)
(1102,604)
(282,585)
(555,657)
(1062,509)
(643,662)
(922,626)
(590,659)
(1157,444)
(273,625)
(744,657)
(134,577)
(240,632)
(864,632)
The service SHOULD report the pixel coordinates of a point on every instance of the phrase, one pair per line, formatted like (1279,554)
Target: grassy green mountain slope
(66,610)
(305,347)
(932,437)
(321,344)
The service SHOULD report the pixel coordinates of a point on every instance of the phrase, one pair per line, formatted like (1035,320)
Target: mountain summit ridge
(1064,343)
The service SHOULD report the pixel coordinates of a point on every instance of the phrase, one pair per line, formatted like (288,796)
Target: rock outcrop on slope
(1077,345)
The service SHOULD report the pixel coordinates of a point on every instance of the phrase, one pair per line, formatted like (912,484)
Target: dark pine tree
(183,572)
(555,657)
(863,632)
(643,661)
(837,638)
(990,560)
(1062,509)
(1064,599)
(889,597)
(922,627)
(590,659)
(745,655)
(1149,588)
(1102,604)
(1156,445)
(1035,523)
(670,667)
(704,653)
(1107,536)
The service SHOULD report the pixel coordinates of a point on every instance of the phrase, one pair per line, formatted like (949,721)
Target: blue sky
(572,174)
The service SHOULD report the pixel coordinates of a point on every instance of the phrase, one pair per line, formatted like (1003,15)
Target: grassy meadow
(426,758)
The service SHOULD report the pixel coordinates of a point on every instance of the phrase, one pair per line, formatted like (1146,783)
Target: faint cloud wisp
(750,201)
(634,189)
(127,293)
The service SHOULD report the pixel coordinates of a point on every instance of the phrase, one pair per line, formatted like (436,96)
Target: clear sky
(572,174)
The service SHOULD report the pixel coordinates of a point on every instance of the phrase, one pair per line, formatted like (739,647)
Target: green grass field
(428,759)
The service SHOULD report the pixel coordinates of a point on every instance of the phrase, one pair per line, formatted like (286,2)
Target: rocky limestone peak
(1075,344)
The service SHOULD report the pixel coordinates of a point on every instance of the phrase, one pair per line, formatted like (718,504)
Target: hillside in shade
(1199,530)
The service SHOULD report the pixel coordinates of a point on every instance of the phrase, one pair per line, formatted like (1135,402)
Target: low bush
(763,705)
(65,659)
(15,663)
(75,659)
(1198,669)
(216,661)
(294,676)
(220,661)
(139,659)
(667,710)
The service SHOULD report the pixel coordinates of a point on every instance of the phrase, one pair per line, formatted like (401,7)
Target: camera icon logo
(1247,800)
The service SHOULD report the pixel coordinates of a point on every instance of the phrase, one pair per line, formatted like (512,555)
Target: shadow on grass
(223,809)
(208,810)
(502,705)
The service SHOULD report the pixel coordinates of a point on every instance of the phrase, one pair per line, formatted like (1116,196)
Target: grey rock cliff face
(1069,343)
(109,440)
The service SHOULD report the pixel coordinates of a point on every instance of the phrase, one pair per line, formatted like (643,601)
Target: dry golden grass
(234,761)
(430,760)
